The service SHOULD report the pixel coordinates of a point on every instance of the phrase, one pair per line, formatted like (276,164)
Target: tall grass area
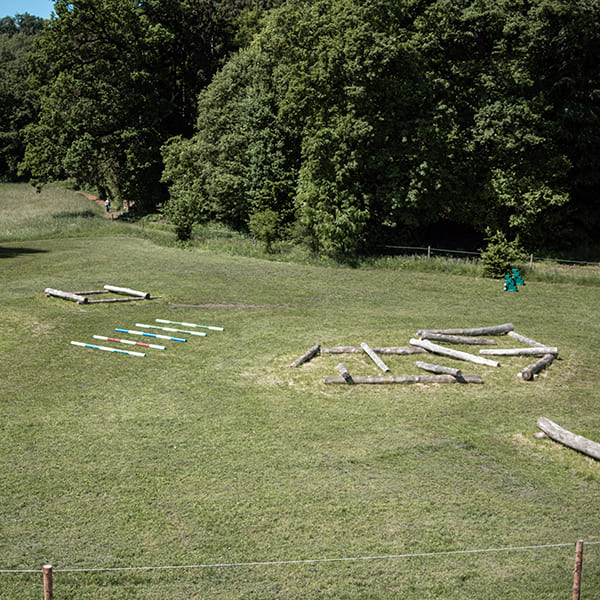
(216,452)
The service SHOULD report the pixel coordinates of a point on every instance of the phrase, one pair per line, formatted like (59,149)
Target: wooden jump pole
(577,569)
(66,295)
(47,578)
(435,349)
(530,351)
(406,379)
(493,330)
(373,356)
(530,370)
(522,338)
(307,355)
(439,369)
(457,339)
(127,291)
(381,350)
(345,374)
(571,440)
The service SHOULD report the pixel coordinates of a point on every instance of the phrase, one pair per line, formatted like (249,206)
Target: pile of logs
(427,342)
(128,295)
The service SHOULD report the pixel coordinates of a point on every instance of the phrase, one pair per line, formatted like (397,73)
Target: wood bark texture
(493,330)
(528,372)
(435,349)
(127,291)
(531,351)
(572,440)
(66,295)
(373,356)
(307,355)
(457,339)
(406,379)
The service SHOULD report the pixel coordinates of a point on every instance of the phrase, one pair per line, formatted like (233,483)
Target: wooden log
(457,339)
(66,295)
(380,350)
(91,292)
(531,351)
(522,338)
(307,355)
(528,372)
(373,356)
(132,299)
(435,349)
(493,330)
(405,379)
(344,373)
(577,442)
(127,291)
(438,369)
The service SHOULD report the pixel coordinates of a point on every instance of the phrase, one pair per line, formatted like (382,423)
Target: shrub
(500,255)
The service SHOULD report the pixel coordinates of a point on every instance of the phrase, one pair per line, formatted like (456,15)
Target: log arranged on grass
(373,356)
(131,299)
(528,372)
(406,379)
(439,369)
(522,338)
(344,373)
(577,442)
(435,349)
(127,291)
(66,295)
(531,351)
(307,355)
(456,339)
(493,330)
(380,350)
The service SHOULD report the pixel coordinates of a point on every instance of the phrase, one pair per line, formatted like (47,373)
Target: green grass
(216,451)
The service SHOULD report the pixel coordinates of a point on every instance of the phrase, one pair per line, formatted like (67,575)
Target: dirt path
(98,201)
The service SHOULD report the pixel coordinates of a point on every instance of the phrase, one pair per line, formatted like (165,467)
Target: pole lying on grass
(111,339)
(152,335)
(170,329)
(107,349)
(212,327)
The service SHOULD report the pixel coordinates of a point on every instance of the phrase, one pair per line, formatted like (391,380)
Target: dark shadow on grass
(14,252)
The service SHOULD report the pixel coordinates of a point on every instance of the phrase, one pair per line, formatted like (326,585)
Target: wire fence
(48,570)
(430,251)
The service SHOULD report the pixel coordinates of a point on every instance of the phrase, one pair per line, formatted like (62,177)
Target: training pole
(152,335)
(201,333)
(107,349)
(190,324)
(132,342)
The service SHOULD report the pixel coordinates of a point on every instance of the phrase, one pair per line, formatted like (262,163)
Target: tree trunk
(66,295)
(453,353)
(577,442)
(522,338)
(438,369)
(405,379)
(127,291)
(528,372)
(531,351)
(493,330)
(374,357)
(456,339)
(385,350)
(306,356)
(344,373)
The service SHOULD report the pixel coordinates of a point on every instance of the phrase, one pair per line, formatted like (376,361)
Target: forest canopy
(340,124)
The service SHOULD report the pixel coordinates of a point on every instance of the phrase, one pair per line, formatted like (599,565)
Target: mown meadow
(214,453)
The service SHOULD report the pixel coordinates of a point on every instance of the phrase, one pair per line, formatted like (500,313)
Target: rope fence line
(430,249)
(302,561)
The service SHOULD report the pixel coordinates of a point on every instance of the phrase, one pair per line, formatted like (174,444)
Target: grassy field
(216,452)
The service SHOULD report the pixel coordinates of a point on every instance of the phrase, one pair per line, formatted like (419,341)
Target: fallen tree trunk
(493,330)
(344,373)
(577,442)
(66,295)
(431,347)
(438,369)
(406,379)
(522,338)
(387,350)
(531,351)
(307,355)
(528,372)
(456,339)
(127,291)
(373,356)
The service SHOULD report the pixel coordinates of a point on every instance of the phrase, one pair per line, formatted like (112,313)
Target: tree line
(340,124)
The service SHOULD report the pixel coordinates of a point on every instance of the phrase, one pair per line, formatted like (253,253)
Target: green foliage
(263,226)
(500,255)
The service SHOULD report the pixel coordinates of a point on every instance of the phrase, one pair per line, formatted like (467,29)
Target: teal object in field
(517,277)
(509,283)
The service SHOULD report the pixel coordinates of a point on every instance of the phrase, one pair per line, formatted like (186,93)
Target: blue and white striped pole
(190,324)
(112,339)
(170,329)
(107,349)
(152,335)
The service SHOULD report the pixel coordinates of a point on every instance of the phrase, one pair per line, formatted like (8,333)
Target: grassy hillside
(215,451)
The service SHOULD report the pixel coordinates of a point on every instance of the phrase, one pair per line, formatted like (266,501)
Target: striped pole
(152,335)
(170,329)
(111,339)
(190,324)
(117,350)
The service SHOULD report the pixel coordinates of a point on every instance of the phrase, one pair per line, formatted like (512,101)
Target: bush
(263,226)
(500,255)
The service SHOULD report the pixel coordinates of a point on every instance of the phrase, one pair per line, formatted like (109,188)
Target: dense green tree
(118,78)
(18,101)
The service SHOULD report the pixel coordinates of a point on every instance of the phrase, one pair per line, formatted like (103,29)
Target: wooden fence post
(577,570)
(47,571)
